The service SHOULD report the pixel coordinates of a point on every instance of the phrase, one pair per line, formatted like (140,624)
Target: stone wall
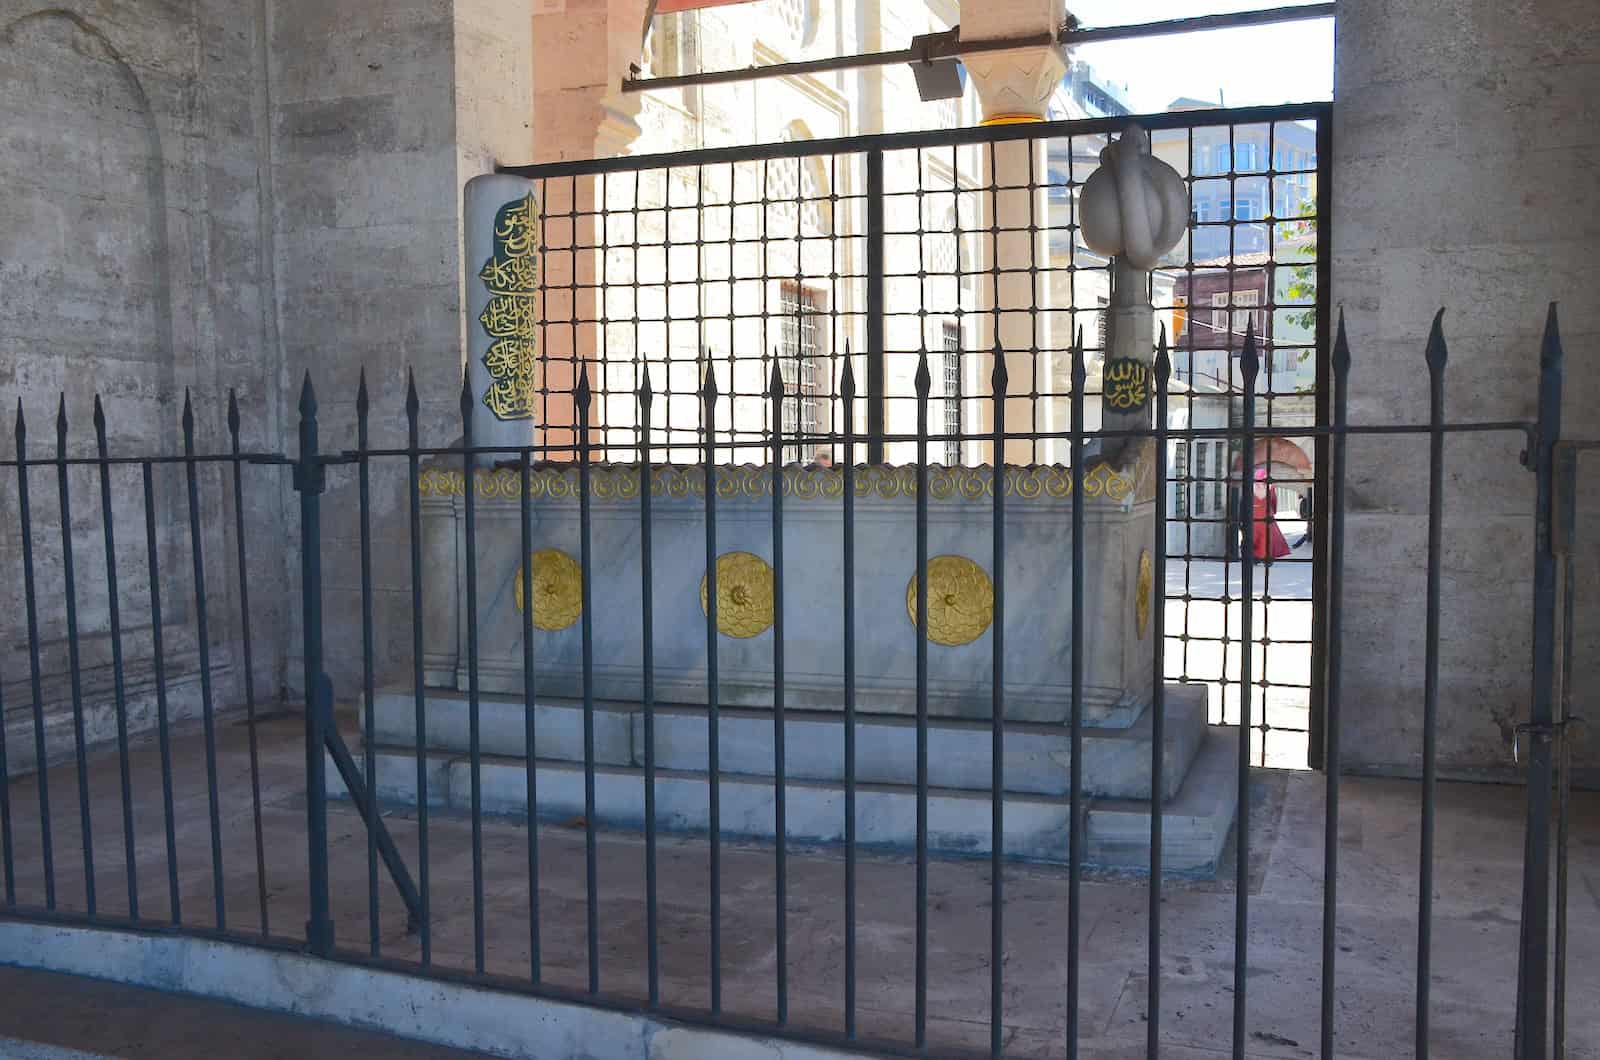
(381,113)
(224,195)
(133,236)
(1466,139)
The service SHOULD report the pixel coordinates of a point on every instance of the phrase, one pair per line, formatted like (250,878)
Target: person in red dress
(1268,541)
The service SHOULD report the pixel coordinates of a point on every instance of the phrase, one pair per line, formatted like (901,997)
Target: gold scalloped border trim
(621,482)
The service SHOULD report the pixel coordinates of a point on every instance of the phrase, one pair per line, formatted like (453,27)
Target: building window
(952,393)
(1244,156)
(675,44)
(1202,469)
(1219,448)
(797,189)
(1220,156)
(1244,210)
(800,362)
(800,17)
(1180,472)
(1242,317)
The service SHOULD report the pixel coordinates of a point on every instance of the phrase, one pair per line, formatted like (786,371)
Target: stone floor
(70,1018)
(1479,844)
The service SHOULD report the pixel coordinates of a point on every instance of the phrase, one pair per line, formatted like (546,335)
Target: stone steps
(1037,757)
(1196,821)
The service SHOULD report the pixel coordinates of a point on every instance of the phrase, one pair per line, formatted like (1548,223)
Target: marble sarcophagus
(962,599)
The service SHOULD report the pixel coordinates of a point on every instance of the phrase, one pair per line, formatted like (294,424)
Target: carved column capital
(1016,84)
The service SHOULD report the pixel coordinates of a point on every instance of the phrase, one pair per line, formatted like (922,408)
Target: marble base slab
(1118,520)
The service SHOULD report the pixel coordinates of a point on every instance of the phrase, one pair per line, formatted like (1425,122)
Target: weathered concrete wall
(381,113)
(231,195)
(1466,143)
(131,255)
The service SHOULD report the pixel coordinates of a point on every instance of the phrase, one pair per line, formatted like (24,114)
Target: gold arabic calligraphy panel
(511,318)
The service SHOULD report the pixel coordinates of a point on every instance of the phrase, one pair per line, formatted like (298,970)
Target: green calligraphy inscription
(511,318)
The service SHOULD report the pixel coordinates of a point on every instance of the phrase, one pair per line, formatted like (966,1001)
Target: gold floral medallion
(1141,600)
(557,589)
(744,594)
(960,600)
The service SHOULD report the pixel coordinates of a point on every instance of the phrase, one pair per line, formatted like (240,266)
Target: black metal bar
(1249,366)
(779,795)
(369,708)
(949,44)
(309,481)
(158,657)
(1565,528)
(847,390)
(118,684)
(877,372)
(1436,356)
(420,709)
(1262,431)
(647,704)
(363,794)
(922,382)
(713,713)
(474,705)
(1335,504)
(1322,571)
(31,605)
(1075,794)
(1200,23)
(530,734)
(998,381)
(75,674)
(1533,962)
(845,145)
(203,637)
(586,630)
(6,852)
(1158,699)
(249,657)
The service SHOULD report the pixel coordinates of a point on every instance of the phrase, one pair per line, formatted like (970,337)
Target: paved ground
(1476,907)
(1203,643)
(67,1018)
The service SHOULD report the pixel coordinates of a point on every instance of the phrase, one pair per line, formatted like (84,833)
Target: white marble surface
(1038,618)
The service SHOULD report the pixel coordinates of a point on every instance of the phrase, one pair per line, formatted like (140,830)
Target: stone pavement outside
(1479,844)
(71,1018)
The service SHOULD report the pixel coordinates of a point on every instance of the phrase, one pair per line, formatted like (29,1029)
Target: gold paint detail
(960,600)
(744,594)
(1012,119)
(557,589)
(750,482)
(1141,600)
(511,319)
(1126,384)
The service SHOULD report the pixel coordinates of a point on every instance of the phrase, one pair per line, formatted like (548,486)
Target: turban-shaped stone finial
(1134,206)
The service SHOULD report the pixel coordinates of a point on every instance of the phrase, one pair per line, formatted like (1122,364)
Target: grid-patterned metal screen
(958,244)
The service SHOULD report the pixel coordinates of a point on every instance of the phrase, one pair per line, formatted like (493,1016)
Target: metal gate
(629,423)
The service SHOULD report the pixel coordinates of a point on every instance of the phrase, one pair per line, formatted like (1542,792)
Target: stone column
(1014,310)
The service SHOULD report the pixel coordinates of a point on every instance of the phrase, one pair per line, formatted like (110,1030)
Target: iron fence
(873,250)
(631,457)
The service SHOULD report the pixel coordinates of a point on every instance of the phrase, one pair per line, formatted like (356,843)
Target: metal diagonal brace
(366,805)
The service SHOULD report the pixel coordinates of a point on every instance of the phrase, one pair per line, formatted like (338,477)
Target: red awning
(667,7)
